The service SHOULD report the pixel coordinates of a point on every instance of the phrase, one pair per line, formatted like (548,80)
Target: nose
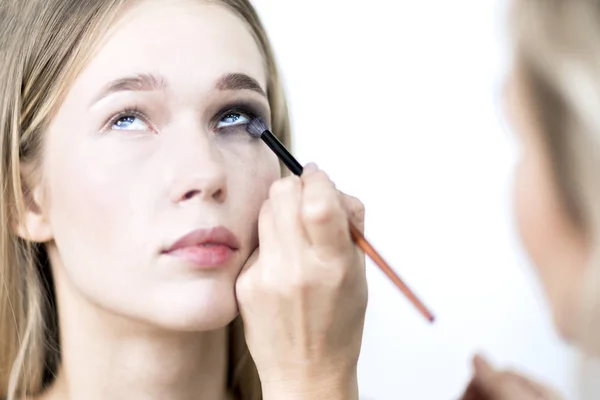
(200,173)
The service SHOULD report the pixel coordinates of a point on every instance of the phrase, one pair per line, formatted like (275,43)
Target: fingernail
(310,168)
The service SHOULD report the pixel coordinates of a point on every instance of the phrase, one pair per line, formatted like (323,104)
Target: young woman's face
(150,146)
(554,244)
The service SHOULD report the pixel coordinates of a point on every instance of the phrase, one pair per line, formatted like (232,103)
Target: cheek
(97,205)
(252,166)
(89,188)
(95,197)
(251,173)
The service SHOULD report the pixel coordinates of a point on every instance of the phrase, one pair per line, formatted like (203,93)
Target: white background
(400,102)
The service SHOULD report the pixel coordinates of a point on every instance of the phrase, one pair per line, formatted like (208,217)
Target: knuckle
(284,186)
(358,205)
(336,273)
(322,175)
(317,175)
(320,210)
(357,208)
(299,284)
(320,178)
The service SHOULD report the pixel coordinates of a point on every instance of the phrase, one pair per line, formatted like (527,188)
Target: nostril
(203,193)
(219,195)
(190,194)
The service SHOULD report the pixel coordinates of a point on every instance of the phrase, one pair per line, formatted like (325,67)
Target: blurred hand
(303,294)
(489,383)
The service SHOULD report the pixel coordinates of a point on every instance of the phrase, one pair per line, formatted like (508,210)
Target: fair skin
(311,353)
(556,247)
(117,187)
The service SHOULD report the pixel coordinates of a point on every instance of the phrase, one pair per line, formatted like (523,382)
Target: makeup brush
(259,129)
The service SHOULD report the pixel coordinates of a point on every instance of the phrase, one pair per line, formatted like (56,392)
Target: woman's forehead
(191,44)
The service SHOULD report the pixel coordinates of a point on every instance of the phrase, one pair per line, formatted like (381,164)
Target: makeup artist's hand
(303,294)
(491,384)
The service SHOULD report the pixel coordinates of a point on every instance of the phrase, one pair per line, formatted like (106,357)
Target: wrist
(314,387)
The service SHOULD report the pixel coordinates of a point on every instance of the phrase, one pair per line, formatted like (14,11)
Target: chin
(194,308)
(196,319)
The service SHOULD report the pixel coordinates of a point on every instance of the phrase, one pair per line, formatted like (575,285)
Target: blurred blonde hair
(558,63)
(44,44)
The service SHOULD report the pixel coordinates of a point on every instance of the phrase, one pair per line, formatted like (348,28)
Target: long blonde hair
(558,64)
(43,46)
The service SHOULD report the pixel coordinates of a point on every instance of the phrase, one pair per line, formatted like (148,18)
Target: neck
(104,356)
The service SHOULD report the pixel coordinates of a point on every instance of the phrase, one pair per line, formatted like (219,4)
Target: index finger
(324,217)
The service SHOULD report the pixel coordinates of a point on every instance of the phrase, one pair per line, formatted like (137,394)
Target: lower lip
(204,257)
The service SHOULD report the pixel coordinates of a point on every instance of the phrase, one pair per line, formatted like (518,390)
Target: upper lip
(218,236)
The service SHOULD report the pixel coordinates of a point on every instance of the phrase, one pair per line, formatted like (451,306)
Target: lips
(205,248)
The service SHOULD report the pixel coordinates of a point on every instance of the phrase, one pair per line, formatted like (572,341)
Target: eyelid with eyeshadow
(241,107)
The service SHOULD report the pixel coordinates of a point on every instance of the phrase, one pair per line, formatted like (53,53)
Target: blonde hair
(558,64)
(43,46)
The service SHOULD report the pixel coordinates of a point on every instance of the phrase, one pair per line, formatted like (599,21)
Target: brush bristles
(257,127)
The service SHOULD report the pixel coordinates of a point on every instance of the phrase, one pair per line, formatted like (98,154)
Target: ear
(33,224)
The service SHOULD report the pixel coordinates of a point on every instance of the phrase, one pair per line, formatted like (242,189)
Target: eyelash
(133,111)
(240,108)
(244,109)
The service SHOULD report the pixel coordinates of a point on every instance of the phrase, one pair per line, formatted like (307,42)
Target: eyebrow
(151,82)
(240,82)
(134,83)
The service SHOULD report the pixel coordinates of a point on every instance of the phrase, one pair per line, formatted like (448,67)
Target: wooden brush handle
(364,244)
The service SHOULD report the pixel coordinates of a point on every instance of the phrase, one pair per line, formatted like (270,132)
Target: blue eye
(233,119)
(130,123)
